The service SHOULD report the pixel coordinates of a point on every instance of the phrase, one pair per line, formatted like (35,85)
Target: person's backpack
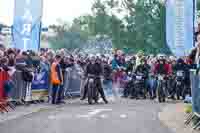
(27,75)
(8,86)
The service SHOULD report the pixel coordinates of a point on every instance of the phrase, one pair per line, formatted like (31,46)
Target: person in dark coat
(95,68)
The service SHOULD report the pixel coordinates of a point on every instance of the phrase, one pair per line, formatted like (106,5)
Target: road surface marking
(104,116)
(123,116)
(52,117)
(93,113)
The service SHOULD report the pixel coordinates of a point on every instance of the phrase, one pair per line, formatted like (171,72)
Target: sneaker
(61,102)
(82,99)
(106,102)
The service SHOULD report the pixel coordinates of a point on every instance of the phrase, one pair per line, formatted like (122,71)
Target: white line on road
(93,113)
(104,116)
(52,117)
(123,116)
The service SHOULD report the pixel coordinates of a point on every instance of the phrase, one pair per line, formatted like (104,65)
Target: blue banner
(180,26)
(40,85)
(41,81)
(27,24)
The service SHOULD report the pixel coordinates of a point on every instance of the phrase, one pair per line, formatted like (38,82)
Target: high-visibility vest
(54,75)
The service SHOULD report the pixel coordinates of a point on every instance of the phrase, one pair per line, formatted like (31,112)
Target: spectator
(11,57)
(56,80)
(195,53)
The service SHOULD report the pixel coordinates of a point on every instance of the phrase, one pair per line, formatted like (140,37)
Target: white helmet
(91,56)
(161,56)
(172,58)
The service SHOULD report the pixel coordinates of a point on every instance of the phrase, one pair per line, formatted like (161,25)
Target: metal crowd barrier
(40,88)
(26,92)
(18,93)
(72,82)
(5,104)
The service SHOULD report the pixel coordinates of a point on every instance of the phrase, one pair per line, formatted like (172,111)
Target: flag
(180,26)
(27,24)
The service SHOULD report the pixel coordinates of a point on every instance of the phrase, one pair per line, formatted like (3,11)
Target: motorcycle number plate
(160,77)
(180,74)
(139,77)
(129,78)
(91,80)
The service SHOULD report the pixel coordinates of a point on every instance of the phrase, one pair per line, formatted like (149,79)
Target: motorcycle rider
(141,69)
(162,68)
(171,84)
(131,65)
(94,67)
(182,66)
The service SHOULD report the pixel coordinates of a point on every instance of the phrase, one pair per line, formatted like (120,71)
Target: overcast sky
(53,9)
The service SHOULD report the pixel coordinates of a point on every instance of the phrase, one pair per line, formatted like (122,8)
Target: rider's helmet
(140,53)
(143,60)
(161,58)
(133,58)
(92,57)
(180,61)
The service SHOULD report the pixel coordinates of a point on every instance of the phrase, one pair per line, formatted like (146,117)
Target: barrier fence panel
(18,93)
(3,77)
(72,82)
(66,81)
(195,86)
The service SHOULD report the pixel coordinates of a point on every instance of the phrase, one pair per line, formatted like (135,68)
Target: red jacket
(162,70)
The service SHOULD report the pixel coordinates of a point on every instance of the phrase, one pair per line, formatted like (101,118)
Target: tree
(133,24)
(70,37)
(146,25)
(198,4)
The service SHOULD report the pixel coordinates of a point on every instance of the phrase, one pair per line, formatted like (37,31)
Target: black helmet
(180,61)
(143,60)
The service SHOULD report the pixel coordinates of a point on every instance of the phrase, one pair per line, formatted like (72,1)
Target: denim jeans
(55,93)
(152,85)
(107,86)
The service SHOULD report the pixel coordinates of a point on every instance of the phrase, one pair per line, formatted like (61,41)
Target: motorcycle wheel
(159,99)
(178,92)
(160,93)
(95,95)
(164,100)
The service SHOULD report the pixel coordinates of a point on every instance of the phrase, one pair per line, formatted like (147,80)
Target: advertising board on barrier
(27,24)
(180,16)
(40,85)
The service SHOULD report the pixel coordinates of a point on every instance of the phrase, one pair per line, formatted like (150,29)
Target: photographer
(195,54)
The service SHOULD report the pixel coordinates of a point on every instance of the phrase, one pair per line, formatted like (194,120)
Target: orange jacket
(55,75)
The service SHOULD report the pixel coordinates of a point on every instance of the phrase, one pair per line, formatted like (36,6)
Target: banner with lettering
(180,25)
(27,24)
(40,85)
